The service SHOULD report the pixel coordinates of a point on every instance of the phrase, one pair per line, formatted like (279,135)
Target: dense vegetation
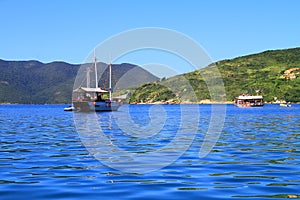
(257,73)
(152,92)
(271,73)
(36,82)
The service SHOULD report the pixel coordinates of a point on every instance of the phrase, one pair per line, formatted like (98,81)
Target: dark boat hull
(94,106)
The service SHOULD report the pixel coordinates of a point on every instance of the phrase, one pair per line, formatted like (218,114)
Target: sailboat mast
(96,73)
(88,80)
(110,93)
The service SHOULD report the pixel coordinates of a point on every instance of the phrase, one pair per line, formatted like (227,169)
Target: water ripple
(257,156)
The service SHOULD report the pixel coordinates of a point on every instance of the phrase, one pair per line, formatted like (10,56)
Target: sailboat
(87,99)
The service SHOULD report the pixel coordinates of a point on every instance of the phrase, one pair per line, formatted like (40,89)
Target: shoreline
(154,103)
(206,101)
(198,103)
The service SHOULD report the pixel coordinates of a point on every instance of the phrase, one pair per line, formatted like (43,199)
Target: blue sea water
(257,155)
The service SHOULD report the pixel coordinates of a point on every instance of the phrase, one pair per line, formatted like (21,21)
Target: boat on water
(69,108)
(91,99)
(87,99)
(285,104)
(249,101)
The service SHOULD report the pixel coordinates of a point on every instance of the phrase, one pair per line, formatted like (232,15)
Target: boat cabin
(88,94)
(249,101)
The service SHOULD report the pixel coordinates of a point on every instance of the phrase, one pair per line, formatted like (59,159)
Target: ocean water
(44,155)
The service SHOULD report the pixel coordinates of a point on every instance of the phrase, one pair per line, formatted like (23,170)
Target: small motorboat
(69,108)
(286,104)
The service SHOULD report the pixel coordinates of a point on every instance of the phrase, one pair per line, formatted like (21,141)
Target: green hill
(275,74)
(40,83)
(36,82)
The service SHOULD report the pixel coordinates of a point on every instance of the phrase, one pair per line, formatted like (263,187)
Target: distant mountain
(275,74)
(40,83)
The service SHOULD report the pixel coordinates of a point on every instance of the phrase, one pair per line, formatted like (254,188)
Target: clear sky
(67,30)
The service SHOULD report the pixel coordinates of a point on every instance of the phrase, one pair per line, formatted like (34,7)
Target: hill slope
(36,82)
(276,74)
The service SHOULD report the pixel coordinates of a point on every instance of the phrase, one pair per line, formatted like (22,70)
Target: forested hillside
(273,74)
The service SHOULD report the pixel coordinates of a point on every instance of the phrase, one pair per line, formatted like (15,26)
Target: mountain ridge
(260,72)
(273,73)
(34,82)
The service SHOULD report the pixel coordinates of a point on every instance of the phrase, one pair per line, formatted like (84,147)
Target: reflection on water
(113,137)
(257,156)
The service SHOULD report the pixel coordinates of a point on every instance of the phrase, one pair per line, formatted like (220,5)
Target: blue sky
(67,30)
